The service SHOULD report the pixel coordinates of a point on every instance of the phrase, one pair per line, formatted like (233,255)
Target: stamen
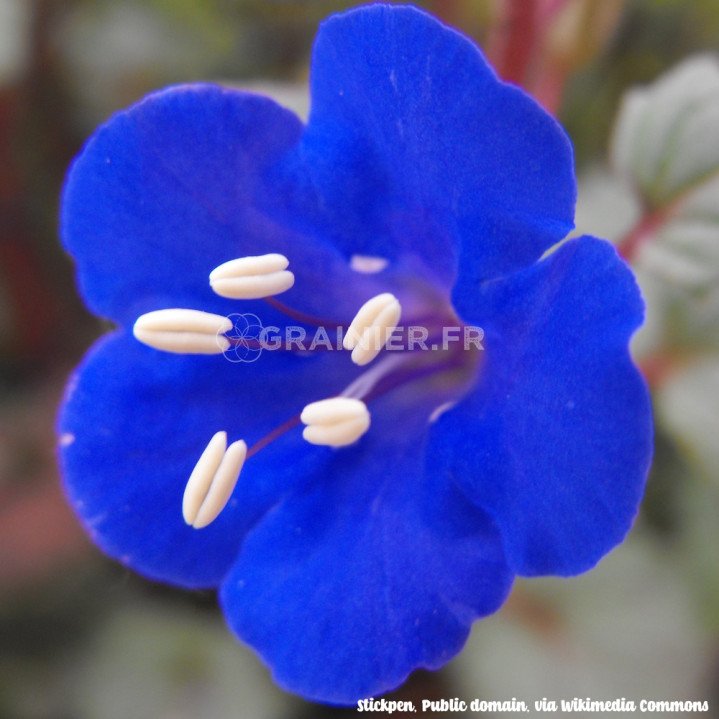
(366,382)
(372,327)
(368,264)
(212,480)
(252,278)
(183,331)
(303,317)
(335,422)
(365,317)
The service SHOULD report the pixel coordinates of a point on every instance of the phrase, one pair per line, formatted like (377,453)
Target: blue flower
(346,569)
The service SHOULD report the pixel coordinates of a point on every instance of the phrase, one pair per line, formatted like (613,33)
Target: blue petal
(556,439)
(377,567)
(133,425)
(180,183)
(414,146)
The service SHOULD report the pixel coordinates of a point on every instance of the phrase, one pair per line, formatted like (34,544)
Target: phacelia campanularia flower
(385,500)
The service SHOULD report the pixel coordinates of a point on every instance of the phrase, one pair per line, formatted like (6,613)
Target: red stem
(549,87)
(517,49)
(658,367)
(514,42)
(643,230)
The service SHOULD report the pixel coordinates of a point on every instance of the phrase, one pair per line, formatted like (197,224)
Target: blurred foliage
(81,638)
(652,36)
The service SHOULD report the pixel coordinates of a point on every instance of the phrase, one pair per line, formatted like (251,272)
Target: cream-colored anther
(372,327)
(251,278)
(183,331)
(335,422)
(212,481)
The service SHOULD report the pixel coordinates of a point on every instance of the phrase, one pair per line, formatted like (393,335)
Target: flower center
(430,352)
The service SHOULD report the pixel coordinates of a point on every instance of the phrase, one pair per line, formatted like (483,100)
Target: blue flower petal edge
(412,132)
(555,440)
(134,423)
(376,569)
(346,569)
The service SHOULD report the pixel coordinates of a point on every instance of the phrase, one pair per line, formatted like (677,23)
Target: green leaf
(606,205)
(687,404)
(666,147)
(666,139)
(685,252)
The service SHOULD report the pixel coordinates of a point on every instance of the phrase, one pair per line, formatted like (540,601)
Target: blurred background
(81,638)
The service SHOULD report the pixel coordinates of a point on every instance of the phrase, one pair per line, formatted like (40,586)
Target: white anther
(372,327)
(183,331)
(251,278)
(368,264)
(366,315)
(212,480)
(335,422)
